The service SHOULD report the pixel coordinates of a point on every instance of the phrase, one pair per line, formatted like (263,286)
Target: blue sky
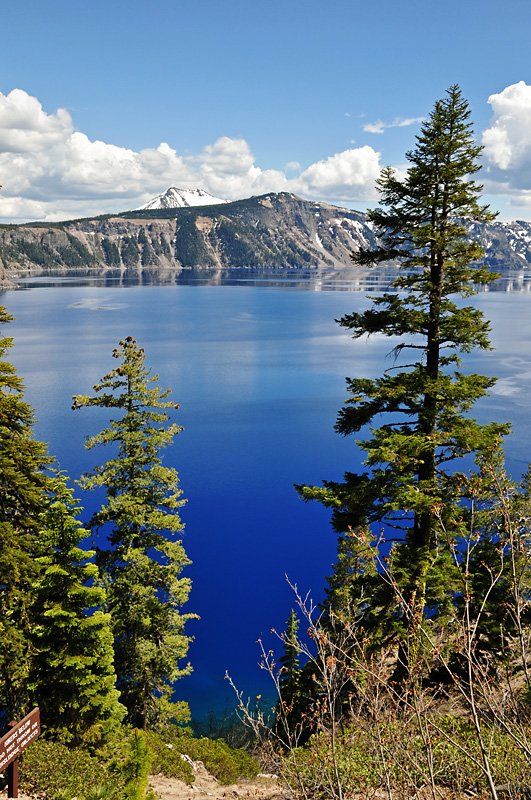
(105,104)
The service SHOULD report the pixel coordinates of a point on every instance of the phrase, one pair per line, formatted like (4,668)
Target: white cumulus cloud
(349,175)
(507,147)
(49,170)
(26,128)
(506,142)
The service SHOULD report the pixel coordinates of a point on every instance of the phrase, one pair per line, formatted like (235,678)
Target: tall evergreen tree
(24,483)
(422,224)
(71,677)
(140,516)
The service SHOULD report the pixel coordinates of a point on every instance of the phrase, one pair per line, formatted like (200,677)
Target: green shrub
(99,793)
(167,758)
(226,764)
(54,769)
(353,767)
(392,751)
(508,762)
(136,768)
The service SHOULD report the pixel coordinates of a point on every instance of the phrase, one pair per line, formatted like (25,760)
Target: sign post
(13,743)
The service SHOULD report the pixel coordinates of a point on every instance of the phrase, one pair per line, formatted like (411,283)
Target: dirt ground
(207,786)
(264,787)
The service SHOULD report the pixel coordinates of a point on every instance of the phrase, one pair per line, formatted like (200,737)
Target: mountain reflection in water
(348,280)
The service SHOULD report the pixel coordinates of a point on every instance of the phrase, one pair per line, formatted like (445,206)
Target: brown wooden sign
(14,742)
(19,737)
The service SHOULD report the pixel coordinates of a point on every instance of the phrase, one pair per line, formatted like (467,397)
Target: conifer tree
(497,567)
(291,704)
(348,594)
(290,662)
(72,677)
(426,400)
(143,565)
(24,484)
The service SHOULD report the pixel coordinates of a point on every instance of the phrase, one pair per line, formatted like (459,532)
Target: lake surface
(259,369)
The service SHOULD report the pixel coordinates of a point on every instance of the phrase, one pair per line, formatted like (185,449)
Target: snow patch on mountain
(180,198)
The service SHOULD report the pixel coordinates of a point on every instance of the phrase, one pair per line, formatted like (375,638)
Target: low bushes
(56,771)
(224,763)
(397,753)
(51,768)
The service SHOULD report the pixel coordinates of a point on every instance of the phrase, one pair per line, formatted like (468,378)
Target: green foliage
(166,748)
(392,751)
(148,255)
(25,483)
(48,768)
(51,768)
(110,252)
(227,764)
(289,660)
(245,232)
(355,569)
(99,793)
(295,257)
(129,252)
(75,254)
(140,515)
(350,766)
(72,254)
(53,651)
(71,674)
(190,249)
(422,405)
(292,703)
(239,252)
(38,253)
(137,766)
(495,592)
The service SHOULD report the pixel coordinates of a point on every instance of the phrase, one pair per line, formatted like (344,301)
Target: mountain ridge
(270,231)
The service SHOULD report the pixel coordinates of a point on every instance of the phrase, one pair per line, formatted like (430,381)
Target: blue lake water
(259,370)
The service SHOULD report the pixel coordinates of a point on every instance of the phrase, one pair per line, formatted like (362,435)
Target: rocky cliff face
(273,231)
(5,282)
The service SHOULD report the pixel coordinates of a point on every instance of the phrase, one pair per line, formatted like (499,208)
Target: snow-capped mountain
(180,198)
(272,231)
